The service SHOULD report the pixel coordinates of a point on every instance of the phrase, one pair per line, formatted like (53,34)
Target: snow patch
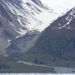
(22,32)
(9,41)
(20,21)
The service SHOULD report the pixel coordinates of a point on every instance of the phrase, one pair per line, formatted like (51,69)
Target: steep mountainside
(24,43)
(19,17)
(57,42)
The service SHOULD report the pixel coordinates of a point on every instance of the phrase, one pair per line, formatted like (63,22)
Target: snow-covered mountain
(26,11)
(67,21)
(19,17)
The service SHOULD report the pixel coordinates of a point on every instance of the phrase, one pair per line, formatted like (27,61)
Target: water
(34,74)
(56,69)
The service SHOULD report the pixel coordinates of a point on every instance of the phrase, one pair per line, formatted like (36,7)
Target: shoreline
(56,69)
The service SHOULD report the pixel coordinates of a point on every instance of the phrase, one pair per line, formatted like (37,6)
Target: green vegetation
(11,66)
(53,47)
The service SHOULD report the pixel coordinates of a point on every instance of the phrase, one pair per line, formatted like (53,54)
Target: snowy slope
(58,7)
(33,14)
(19,17)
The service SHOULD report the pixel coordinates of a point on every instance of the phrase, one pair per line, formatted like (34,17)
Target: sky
(60,6)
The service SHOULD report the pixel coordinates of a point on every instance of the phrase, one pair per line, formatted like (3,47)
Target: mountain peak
(65,21)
